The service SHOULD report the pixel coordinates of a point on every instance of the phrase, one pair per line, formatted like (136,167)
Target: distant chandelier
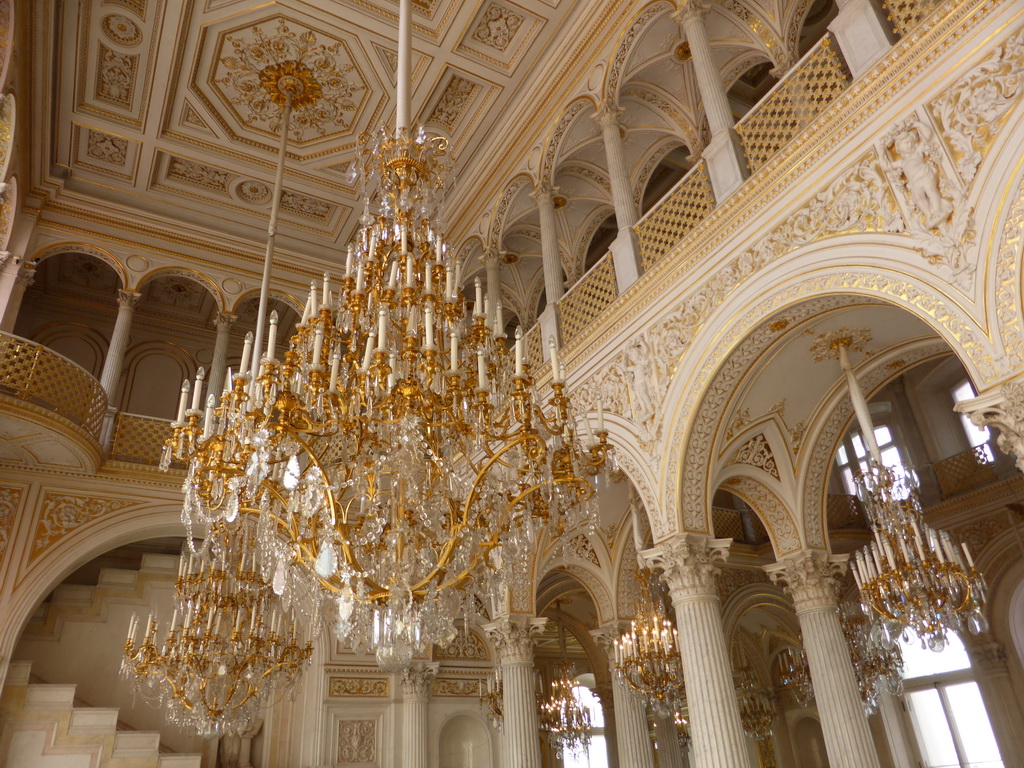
(879,669)
(647,655)
(563,718)
(492,694)
(795,674)
(682,729)
(228,643)
(757,711)
(398,458)
(911,575)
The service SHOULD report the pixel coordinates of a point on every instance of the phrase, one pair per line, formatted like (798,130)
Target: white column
(492,263)
(634,745)
(670,753)
(554,285)
(1004,712)
(689,565)
(19,283)
(513,637)
(810,579)
(863,34)
(112,364)
(416,682)
(724,155)
(9,266)
(900,749)
(218,368)
(608,116)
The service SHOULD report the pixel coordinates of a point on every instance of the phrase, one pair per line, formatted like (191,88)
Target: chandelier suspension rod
(860,406)
(404,65)
(268,259)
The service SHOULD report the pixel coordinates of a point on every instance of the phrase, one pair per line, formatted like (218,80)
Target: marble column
(863,33)
(634,745)
(724,155)
(688,562)
(492,264)
(992,674)
(554,285)
(15,278)
(513,638)
(670,752)
(608,116)
(218,368)
(114,361)
(416,682)
(810,579)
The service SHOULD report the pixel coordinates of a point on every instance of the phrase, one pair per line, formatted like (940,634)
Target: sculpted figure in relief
(644,398)
(920,171)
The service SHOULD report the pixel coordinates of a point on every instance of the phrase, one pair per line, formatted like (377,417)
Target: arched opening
(464,743)
(670,169)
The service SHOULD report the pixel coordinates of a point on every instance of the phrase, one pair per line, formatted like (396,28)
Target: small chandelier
(682,729)
(879,669)
(647,655)
(564,719)
(912,576)
(491,697)
(228,644)
(795,674)
(757,712)
(399,452)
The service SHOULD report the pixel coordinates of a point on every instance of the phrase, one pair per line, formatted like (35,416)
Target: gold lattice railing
(907,14)
(587,299)
(727,524)
(139,439)
(843,511)
(35,374)
(533,349)
(805,92)
(965,470)
(682,209)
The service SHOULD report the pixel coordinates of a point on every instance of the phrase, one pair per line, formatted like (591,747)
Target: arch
(455,731)
(85,335)
(554,141)
(497,231)
(153,373)
(8,209)
(778,519)
(105,256)
(761,594)
(739,327)
(189,274)
(8,109)
(628,41)
(284,298)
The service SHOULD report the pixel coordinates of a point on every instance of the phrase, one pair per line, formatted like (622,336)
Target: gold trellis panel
(139,439)
(588,298)
(814,83)
(907,14)
(675,215)
(35,374)
(534,349)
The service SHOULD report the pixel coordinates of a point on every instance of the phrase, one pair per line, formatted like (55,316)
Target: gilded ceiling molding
(583,105)
(191,275)
(284,298)
(496,234)
(103,255)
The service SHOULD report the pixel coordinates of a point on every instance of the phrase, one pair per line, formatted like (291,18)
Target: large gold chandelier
(398,458)
(795,674)
(647,655)
(228,644)
(878,668)
(912,576)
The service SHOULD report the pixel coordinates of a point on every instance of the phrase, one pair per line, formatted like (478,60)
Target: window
(976,435)
(945,708)
(597,755)
(852,456)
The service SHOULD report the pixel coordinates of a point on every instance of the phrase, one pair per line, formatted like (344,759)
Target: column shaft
(114,360)
(218,368)
(1001,703)
(618,170)
(492,263)
(416,683)
(554,286)
(521,726)
(670,753)
(709,80)
(631,728)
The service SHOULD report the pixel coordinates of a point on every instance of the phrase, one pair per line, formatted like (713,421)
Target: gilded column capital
(127,299)
(1002,408)
(689,564)
(810,578)
(6,257)
(417,679)
(514,636)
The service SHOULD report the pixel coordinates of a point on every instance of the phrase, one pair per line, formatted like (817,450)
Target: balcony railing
(675,215)
(587,299)
(139,439)
(966,470)
(907,14)
(533,346)
(35,374)
(803,94)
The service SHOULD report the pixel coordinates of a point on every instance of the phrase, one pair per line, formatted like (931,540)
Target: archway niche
(464,743)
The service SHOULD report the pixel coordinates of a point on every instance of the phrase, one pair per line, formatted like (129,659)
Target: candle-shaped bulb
(197,392)
(246,353)
(519,351)
(313,308)
(478,306)
(327,290)
(183,401)
(556,367)
(348,261)
(382,320)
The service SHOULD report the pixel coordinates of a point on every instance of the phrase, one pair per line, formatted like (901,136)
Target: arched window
(597,755)
(975,434)
(945,707)
(852,456)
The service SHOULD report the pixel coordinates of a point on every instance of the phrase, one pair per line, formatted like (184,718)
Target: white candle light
(382,320)
(481,370)
(556,368)
(272,336)
(183,401)
(428,323)
(246,353)
(348,262)
(519,351)
(370,343)
(318,348)
(197,392)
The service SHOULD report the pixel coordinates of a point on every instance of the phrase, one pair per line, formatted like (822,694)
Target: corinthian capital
(809,577)
(127,299)
(689,564)
(691,10)
(608,114)
(417,679)
(544,190)
(514,636)
(1002,408)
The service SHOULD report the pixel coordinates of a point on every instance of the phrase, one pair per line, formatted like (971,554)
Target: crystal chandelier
(491,697)
(795,674)
(879,669)
(399,453)
(647,655)
(229,642)
(912,576)
(757,712)
(564,720)
(682,729)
